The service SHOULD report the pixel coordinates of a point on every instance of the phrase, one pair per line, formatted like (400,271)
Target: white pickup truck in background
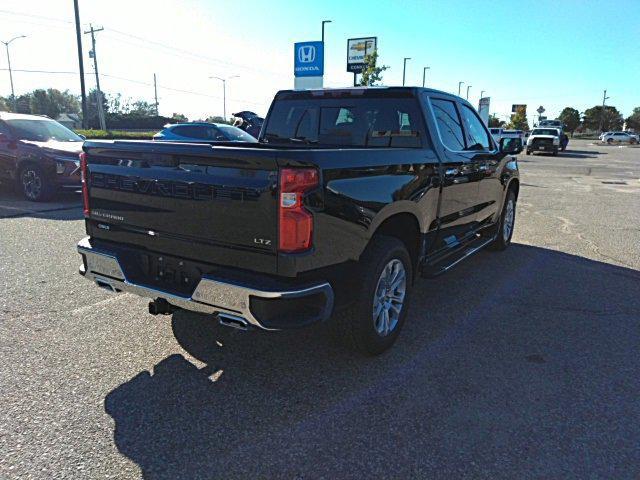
(499,133)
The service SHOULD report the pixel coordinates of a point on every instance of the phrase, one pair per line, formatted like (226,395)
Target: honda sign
(308,59)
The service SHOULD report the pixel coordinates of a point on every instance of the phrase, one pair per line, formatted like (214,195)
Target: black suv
(38,155)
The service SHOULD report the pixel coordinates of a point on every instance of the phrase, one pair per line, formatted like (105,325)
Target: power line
(180,51)
(139,82)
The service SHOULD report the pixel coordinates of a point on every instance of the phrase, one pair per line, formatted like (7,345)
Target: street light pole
(481,93)
(404,69)
(13,95)
(459,86)
(424,74)
(323,22)
(604,99)
(468,87)
(224,92)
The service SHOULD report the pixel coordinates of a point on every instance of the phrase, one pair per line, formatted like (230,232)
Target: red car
(38,155)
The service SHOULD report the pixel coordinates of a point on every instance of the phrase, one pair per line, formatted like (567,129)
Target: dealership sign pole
(308,65)
(483,109)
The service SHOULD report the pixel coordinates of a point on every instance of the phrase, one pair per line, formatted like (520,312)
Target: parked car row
(40,156)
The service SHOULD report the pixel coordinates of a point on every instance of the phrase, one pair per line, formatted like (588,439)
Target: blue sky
(548,53)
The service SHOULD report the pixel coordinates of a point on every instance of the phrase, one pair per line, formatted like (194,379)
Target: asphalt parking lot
(521,364)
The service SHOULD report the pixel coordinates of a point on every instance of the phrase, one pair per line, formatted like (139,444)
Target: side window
(475,133)
(448,123)
(212,133)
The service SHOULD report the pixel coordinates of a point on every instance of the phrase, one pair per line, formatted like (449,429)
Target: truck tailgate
(212,204)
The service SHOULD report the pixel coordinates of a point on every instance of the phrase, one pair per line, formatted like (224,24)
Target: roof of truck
(363,90)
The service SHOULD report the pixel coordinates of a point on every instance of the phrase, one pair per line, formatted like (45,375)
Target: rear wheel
(507,223)
(373,322)
(33,184)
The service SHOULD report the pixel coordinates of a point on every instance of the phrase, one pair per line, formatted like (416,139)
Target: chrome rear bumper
(211,295)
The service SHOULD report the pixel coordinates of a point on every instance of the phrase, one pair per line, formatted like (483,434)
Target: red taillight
(85,187)
(296,223)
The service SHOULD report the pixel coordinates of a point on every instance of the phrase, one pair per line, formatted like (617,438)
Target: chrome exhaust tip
(233,321)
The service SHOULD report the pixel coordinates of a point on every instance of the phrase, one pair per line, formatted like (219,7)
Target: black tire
(503,239)
(610,141)
(555,152)
(34,184)
(355,326)
(528,152)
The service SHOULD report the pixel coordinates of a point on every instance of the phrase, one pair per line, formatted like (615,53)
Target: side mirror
(511,146)
(82,136)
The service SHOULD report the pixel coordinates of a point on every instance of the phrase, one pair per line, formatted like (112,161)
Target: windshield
(234,134)
(346,122)
(545,131)
(42,130)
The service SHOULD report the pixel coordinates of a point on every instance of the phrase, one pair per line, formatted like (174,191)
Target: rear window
(346,122)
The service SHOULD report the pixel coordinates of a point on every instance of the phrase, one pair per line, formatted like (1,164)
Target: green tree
(519,120)
(4,104)
(53,102)
(179,118)
(217,119)
(495,122)
(142,108)
(372,74)
(92,108)
(571,119)
(611,118)
(633,121)
(23,103)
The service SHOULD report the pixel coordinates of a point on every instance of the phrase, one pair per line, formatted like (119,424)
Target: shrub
(116,134)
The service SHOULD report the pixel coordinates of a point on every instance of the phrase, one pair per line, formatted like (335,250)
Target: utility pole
(83,93)
(459,86)
(604,99)
(468,87)
(93,54)
(13,94)
(155,92)
(424,74)
(404,69)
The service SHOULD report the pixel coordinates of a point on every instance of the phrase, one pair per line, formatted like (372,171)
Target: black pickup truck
(349,195)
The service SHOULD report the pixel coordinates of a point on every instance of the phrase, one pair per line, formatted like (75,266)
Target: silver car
(619,137)
(202,132)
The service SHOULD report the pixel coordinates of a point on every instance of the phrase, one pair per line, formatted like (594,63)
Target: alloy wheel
(389,297)
(509,217)
(31,184)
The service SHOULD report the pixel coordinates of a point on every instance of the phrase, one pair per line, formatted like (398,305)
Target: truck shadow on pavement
(529,350)
(64,206)
(569,154)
